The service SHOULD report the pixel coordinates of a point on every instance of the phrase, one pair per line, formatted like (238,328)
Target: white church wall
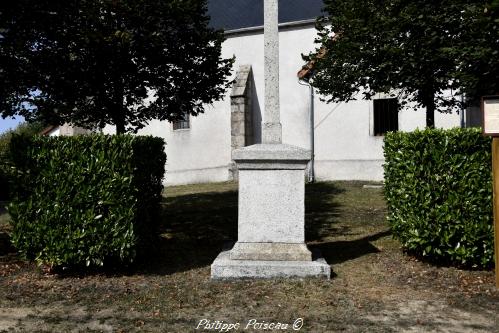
(294,98)
(199,154)
(203,152)
(55,132)
(412,118)
(345,146)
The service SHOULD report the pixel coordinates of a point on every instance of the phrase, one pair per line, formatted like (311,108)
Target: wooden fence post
(495,177)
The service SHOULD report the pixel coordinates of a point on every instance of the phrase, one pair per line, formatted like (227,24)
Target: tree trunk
(429,103)
(118,116)
(120,126)
(118,110)
(430,114)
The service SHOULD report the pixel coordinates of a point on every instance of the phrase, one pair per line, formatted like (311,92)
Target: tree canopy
(97,62)
(477,49)
(417,50)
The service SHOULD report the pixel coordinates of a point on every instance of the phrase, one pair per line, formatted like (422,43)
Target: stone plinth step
(225,268)
(270,252)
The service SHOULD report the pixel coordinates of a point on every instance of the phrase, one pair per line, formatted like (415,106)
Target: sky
(9,123)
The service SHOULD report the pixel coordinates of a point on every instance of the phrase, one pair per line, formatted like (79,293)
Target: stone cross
(272,128)
(271,210)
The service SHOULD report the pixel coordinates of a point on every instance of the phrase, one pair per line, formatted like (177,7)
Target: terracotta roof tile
(48,129)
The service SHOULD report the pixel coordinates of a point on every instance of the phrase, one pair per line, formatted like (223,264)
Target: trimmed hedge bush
(438,188)
(28,129)
(85,200)
(4,166)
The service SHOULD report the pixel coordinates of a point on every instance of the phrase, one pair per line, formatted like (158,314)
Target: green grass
(375,287)
(199,219)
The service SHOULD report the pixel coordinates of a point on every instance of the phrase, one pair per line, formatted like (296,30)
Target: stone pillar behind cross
(272,128)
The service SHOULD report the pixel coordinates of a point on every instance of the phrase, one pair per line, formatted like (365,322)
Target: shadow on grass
(340,251)
(322,212)
(195,227)
(5,244)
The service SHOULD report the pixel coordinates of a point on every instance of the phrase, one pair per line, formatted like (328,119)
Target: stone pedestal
(271,229)
(271,226)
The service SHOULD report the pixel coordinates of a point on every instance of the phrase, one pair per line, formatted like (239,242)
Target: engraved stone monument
(271,228)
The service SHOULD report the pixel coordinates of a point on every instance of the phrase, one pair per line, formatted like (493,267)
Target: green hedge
(438,187)
(4,166)
(28,129)
(85,200)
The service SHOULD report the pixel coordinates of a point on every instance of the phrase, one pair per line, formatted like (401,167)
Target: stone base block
(225,268)
(271,252)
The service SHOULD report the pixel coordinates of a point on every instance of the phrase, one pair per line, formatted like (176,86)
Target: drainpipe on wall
(463,108)
(311,173)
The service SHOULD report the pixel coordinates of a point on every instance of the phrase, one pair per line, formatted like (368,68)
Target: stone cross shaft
(271,210)
(272,128)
